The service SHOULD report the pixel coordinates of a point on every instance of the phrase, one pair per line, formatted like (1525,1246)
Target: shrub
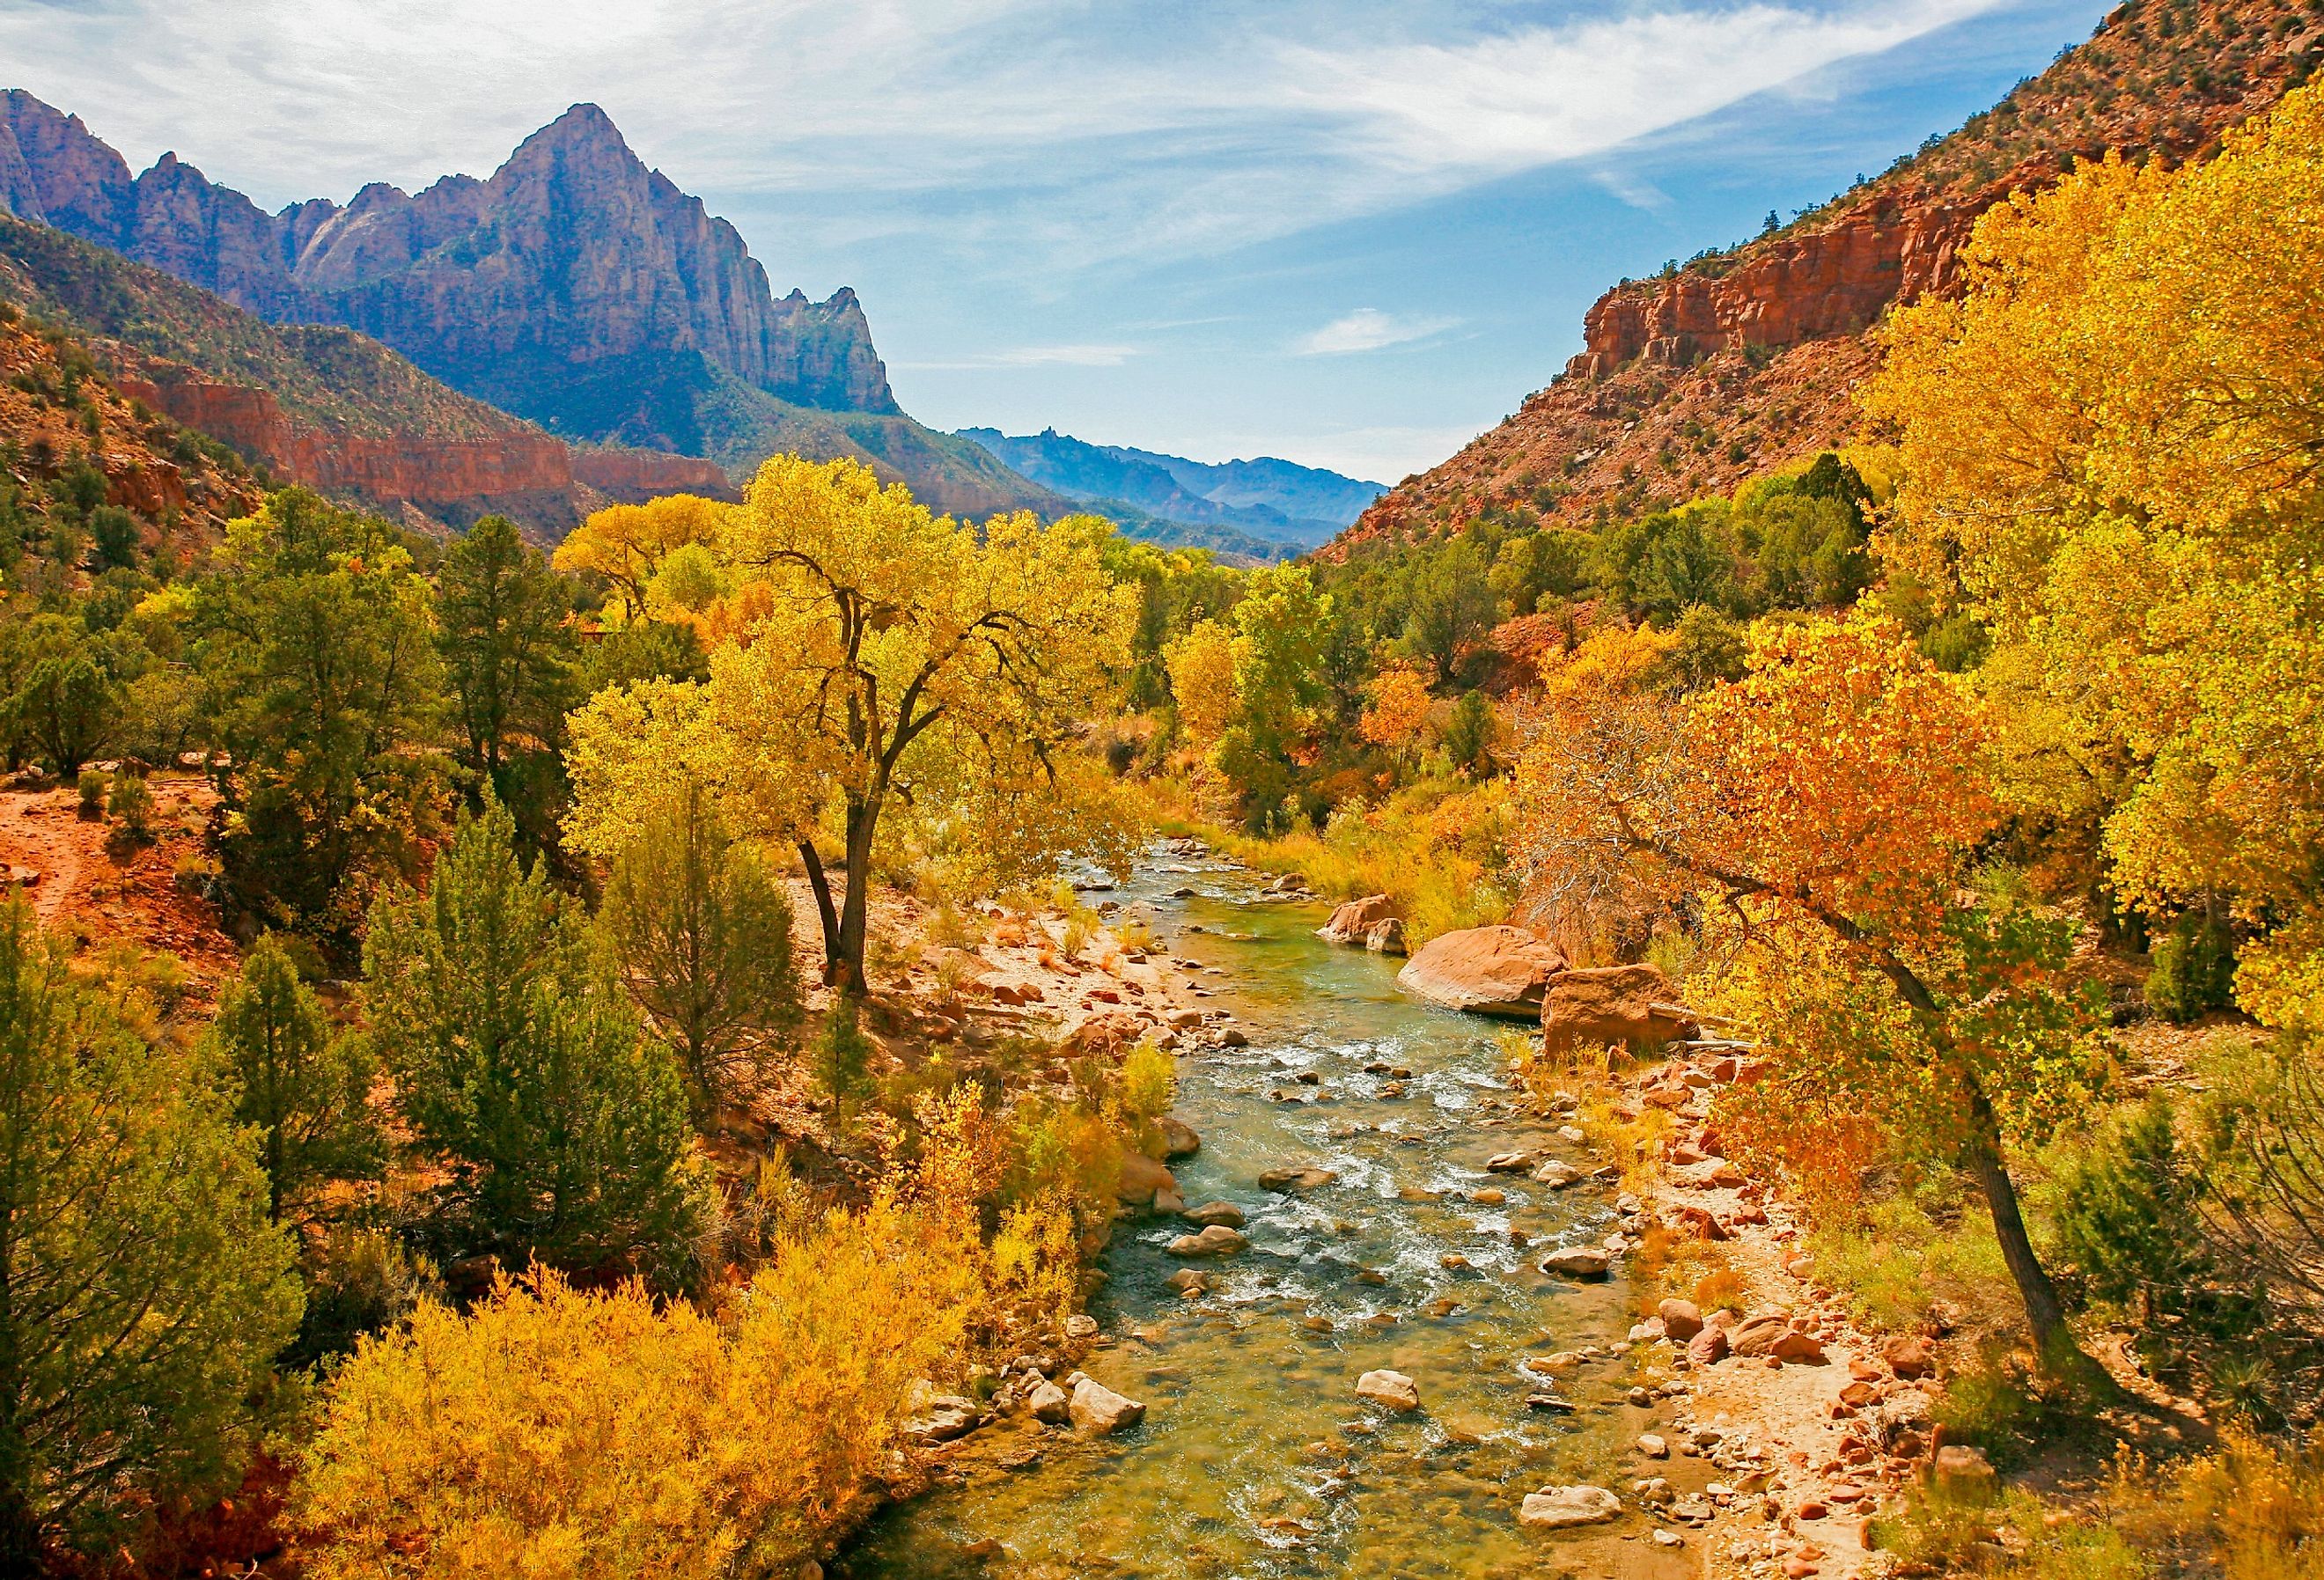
(565,1435)
(129,802)
(842,1058)
(93,784)
(2194,969)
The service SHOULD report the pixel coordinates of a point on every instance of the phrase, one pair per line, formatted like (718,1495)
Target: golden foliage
(627,543)
(2112,455)
(1398,708)
(555,1432)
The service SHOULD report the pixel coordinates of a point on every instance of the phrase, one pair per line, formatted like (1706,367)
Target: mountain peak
(583,125)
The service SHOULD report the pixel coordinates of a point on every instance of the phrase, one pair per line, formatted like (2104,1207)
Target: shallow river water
(1256,1459)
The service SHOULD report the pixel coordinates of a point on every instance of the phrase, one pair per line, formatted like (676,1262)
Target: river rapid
(1256,1459)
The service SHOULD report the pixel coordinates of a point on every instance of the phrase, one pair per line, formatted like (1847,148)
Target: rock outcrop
(1488,970)
(1627,1006)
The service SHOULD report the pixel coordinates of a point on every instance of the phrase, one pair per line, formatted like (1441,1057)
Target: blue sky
(1353,234)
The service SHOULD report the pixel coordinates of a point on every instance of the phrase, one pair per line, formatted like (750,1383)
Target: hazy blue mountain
(1273,500)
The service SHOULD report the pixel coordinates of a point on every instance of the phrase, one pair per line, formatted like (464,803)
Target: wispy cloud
(1367,329)
(1056,135)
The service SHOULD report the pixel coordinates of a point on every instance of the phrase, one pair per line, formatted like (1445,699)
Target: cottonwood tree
(876,657)
(1830,806)
(626,544)
(2109,445)
(143,1292)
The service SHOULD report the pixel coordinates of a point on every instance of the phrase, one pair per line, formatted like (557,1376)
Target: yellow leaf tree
(872,657)
(2111,445)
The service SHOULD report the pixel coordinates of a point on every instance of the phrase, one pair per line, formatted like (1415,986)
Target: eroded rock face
(1628,1006)
(1488,970)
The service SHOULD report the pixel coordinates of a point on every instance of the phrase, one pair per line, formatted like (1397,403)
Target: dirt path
(1798,1447)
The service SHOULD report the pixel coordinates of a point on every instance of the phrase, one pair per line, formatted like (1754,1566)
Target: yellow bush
(559,1433)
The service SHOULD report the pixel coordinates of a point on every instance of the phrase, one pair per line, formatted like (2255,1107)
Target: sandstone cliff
(1745,359)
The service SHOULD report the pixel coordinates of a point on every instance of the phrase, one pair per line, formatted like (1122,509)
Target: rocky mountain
(574,287)
(1270,502)
(1746,358)
(315,404)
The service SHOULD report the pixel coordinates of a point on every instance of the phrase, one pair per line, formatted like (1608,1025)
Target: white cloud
(1367,329)
(1060,134)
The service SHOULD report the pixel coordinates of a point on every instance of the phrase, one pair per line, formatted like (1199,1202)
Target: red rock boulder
(1487,970)
(1352,922)
(1634,1006)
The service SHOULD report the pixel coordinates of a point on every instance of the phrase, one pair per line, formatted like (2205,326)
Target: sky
(1354,234)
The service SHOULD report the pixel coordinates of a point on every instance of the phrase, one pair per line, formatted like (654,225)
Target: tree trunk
(2045,1315)
(854,913)
(812,859)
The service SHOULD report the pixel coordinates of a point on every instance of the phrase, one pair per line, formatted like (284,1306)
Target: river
(1256,1459)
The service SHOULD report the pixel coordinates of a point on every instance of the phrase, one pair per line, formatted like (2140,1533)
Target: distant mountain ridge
(1276,503)
(574,287)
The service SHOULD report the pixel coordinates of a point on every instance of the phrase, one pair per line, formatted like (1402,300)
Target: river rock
(1178,1137)
(1488,970)
(949,1417)
(1653,1447)
(1681,1319)
(1631,1006)
(1049,1403)
(1169,1202)
(1352,922)
(1557,1174)
(1218,1239)
(1582,1261)
(1507,1162)
(1214,1213)
(1386,938)
(1096,1409)
(1558,1507)
(1392,1389)
(1306,1177)
(1190,1281)
(1142,1178)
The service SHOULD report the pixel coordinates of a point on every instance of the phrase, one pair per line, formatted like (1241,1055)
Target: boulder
(1178,1137)
(1487,970)
(1907,1356)
(1352,922)
(1048,1403)
(949,1417)
(1214,1212)
(1393,1389)
(1142,1178)
(1630,1006)
(1097,1410)
(1386,938)
(1105,1032)
(1755,1336)
(1581,1262)
(1218,1239)
(1557,1174)
(1306,1177)
(1681,1319)
(1653,1447)
(1707,1348)
(1511,1162)
(1558,1507)
(1190,1281)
